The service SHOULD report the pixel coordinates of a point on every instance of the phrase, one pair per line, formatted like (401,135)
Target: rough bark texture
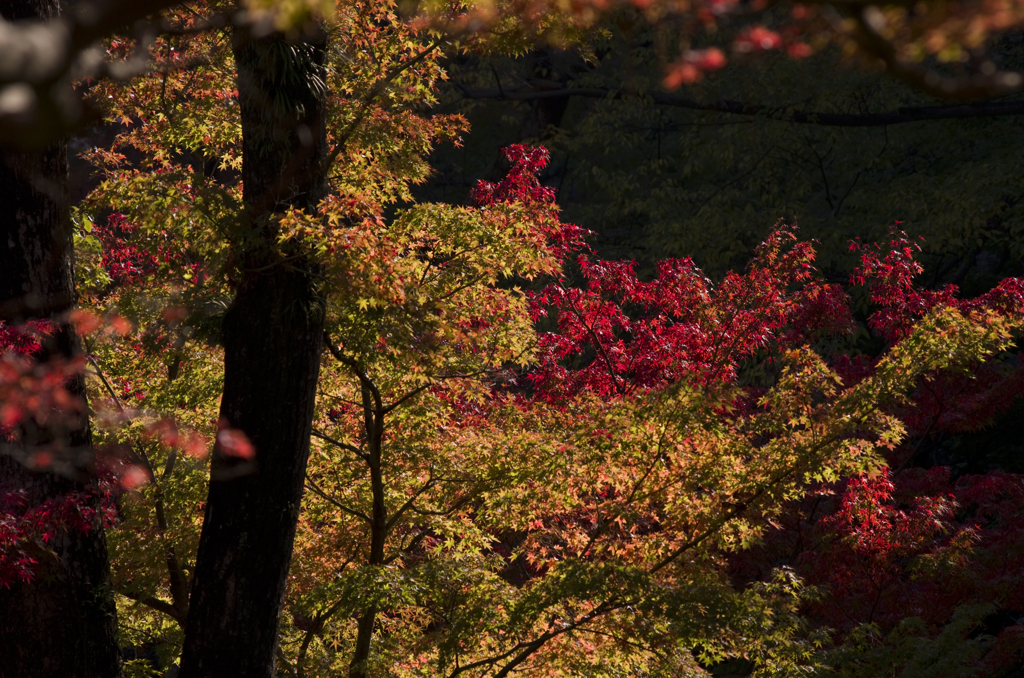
(35,250)
(272,343)
(62,622)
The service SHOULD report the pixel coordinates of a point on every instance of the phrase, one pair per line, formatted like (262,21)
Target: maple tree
(236,258)
(582,517)
(918,562)
(344,512)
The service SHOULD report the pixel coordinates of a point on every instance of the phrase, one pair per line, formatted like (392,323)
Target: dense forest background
(656,180)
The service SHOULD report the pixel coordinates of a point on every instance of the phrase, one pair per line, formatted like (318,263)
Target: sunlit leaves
(487,497)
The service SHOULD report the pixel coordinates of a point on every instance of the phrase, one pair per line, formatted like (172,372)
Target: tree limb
(155,604)
(345,446)
(870,21)
(311,485)
(901,115)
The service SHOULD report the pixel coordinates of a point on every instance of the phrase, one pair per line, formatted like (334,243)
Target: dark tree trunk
(272,342)
(62,622)
(378,539)
(36,277)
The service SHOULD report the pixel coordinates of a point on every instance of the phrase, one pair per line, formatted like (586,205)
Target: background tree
(940,49)
(843,150)
(56,617)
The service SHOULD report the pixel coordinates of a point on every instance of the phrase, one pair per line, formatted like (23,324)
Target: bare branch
(154,604)
(899,116)
(312,486)
(345,446)
(732,181)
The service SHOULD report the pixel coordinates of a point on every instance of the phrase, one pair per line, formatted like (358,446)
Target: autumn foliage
(665,443)
(525,457)
(636,457)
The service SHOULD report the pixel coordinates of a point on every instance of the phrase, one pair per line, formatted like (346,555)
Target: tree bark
(63,621)
(378,538)
(272,343)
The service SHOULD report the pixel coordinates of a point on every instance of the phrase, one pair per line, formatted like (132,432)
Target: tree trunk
(272,338)
(358,667)
(62,622)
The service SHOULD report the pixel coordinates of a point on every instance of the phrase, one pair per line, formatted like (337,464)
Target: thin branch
(106,384)
(732,181)
(905,114)
(839,204)
(405,549)
(340,399)
(617,381)
(524,650)
(654,462)
(282,660)
(120,407)
(213,22)
(408,504)
(155,604)
(175,572)
(497,80)
(452,292)
(311,485)
(448,511)
(411,394)
(374,92)
(318,625)
(345,446)
(622,640)
(739,508)
(364,379)
(821,169)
